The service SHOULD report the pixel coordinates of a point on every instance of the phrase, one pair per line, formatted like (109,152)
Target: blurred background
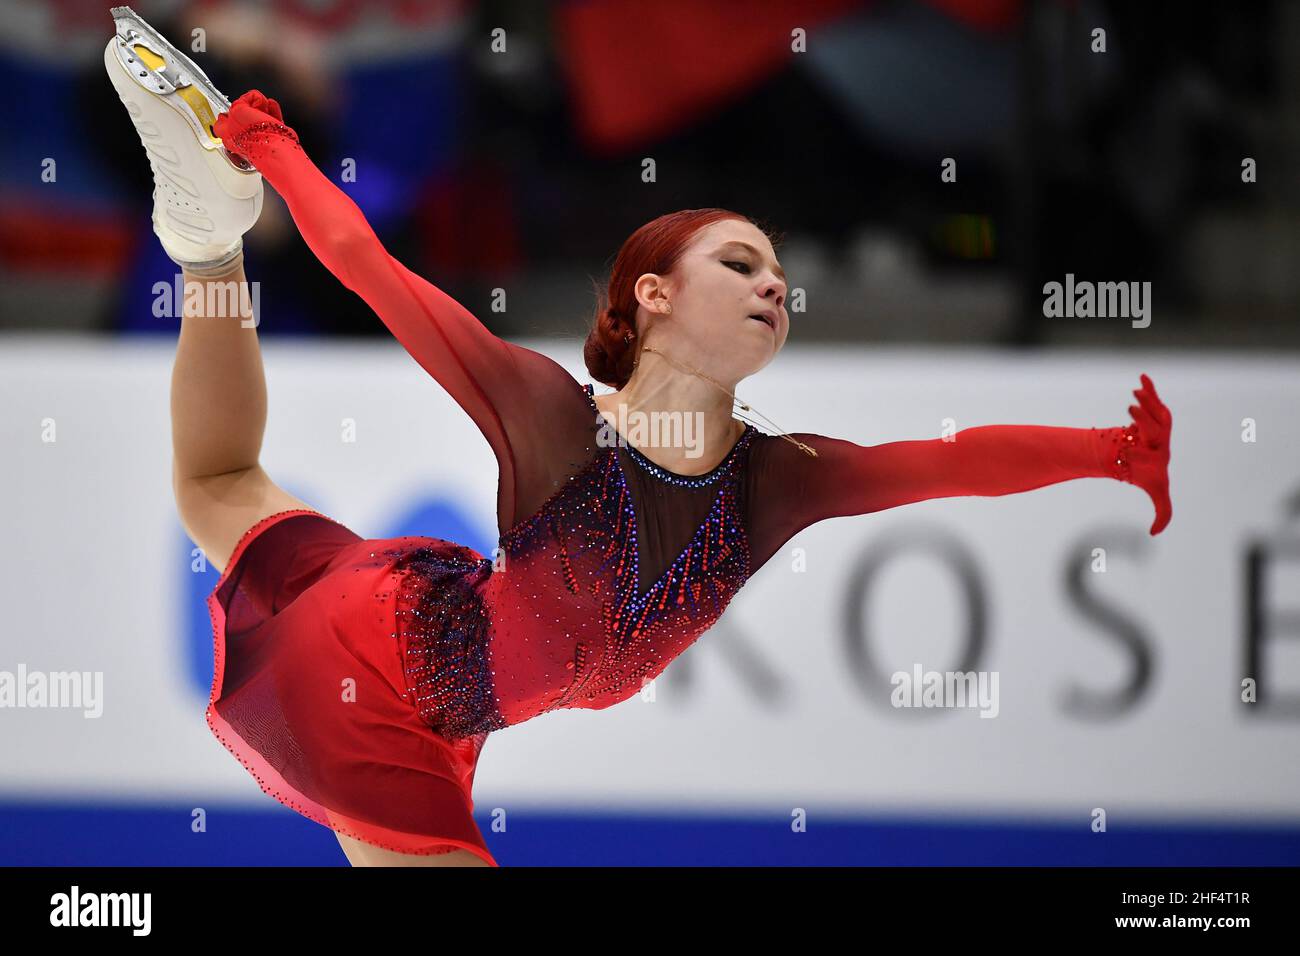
(513,160)
(523,166)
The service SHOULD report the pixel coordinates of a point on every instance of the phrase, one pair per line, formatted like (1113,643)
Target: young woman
(358,679)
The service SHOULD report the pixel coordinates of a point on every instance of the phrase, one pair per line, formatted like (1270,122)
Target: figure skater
(357,679)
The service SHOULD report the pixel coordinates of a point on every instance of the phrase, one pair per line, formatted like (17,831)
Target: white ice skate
(204,198)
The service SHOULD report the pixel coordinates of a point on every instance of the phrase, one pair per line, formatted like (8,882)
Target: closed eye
(742,265)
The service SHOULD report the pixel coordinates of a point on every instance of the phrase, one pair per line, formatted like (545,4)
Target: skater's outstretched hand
(251,111)
(1143,452)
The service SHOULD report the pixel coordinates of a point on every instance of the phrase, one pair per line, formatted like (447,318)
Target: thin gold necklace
(732,395)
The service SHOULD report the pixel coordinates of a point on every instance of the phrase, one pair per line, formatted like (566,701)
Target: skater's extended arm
(848,479)
(503,387)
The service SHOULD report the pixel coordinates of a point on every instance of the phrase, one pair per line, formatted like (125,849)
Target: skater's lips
(767,315)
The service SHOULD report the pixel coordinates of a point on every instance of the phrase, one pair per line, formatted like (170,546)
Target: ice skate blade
(158,67)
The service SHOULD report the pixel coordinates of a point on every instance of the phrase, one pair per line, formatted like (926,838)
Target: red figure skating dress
(358,679)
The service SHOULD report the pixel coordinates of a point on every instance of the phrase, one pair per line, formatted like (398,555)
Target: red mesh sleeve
(794,490)
(509,391)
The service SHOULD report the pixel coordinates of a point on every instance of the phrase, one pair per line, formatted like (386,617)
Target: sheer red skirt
(308,690)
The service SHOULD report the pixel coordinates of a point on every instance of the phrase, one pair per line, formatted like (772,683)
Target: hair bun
(608,349)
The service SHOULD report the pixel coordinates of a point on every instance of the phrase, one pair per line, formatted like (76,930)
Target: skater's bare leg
(204,201)
(218,409)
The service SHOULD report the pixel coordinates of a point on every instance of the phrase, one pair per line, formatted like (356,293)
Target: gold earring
(666,308)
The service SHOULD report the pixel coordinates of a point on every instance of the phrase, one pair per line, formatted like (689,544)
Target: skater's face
(728,275)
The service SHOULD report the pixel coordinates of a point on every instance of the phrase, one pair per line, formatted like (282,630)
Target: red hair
(611,347)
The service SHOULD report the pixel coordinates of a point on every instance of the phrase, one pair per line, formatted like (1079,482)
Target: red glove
(1141,455)
(250,114)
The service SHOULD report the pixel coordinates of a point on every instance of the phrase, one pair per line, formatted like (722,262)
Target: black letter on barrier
(949,550)
(1257,621)
(1086,703)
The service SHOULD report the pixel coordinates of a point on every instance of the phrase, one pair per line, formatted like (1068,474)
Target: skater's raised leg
(205,199)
